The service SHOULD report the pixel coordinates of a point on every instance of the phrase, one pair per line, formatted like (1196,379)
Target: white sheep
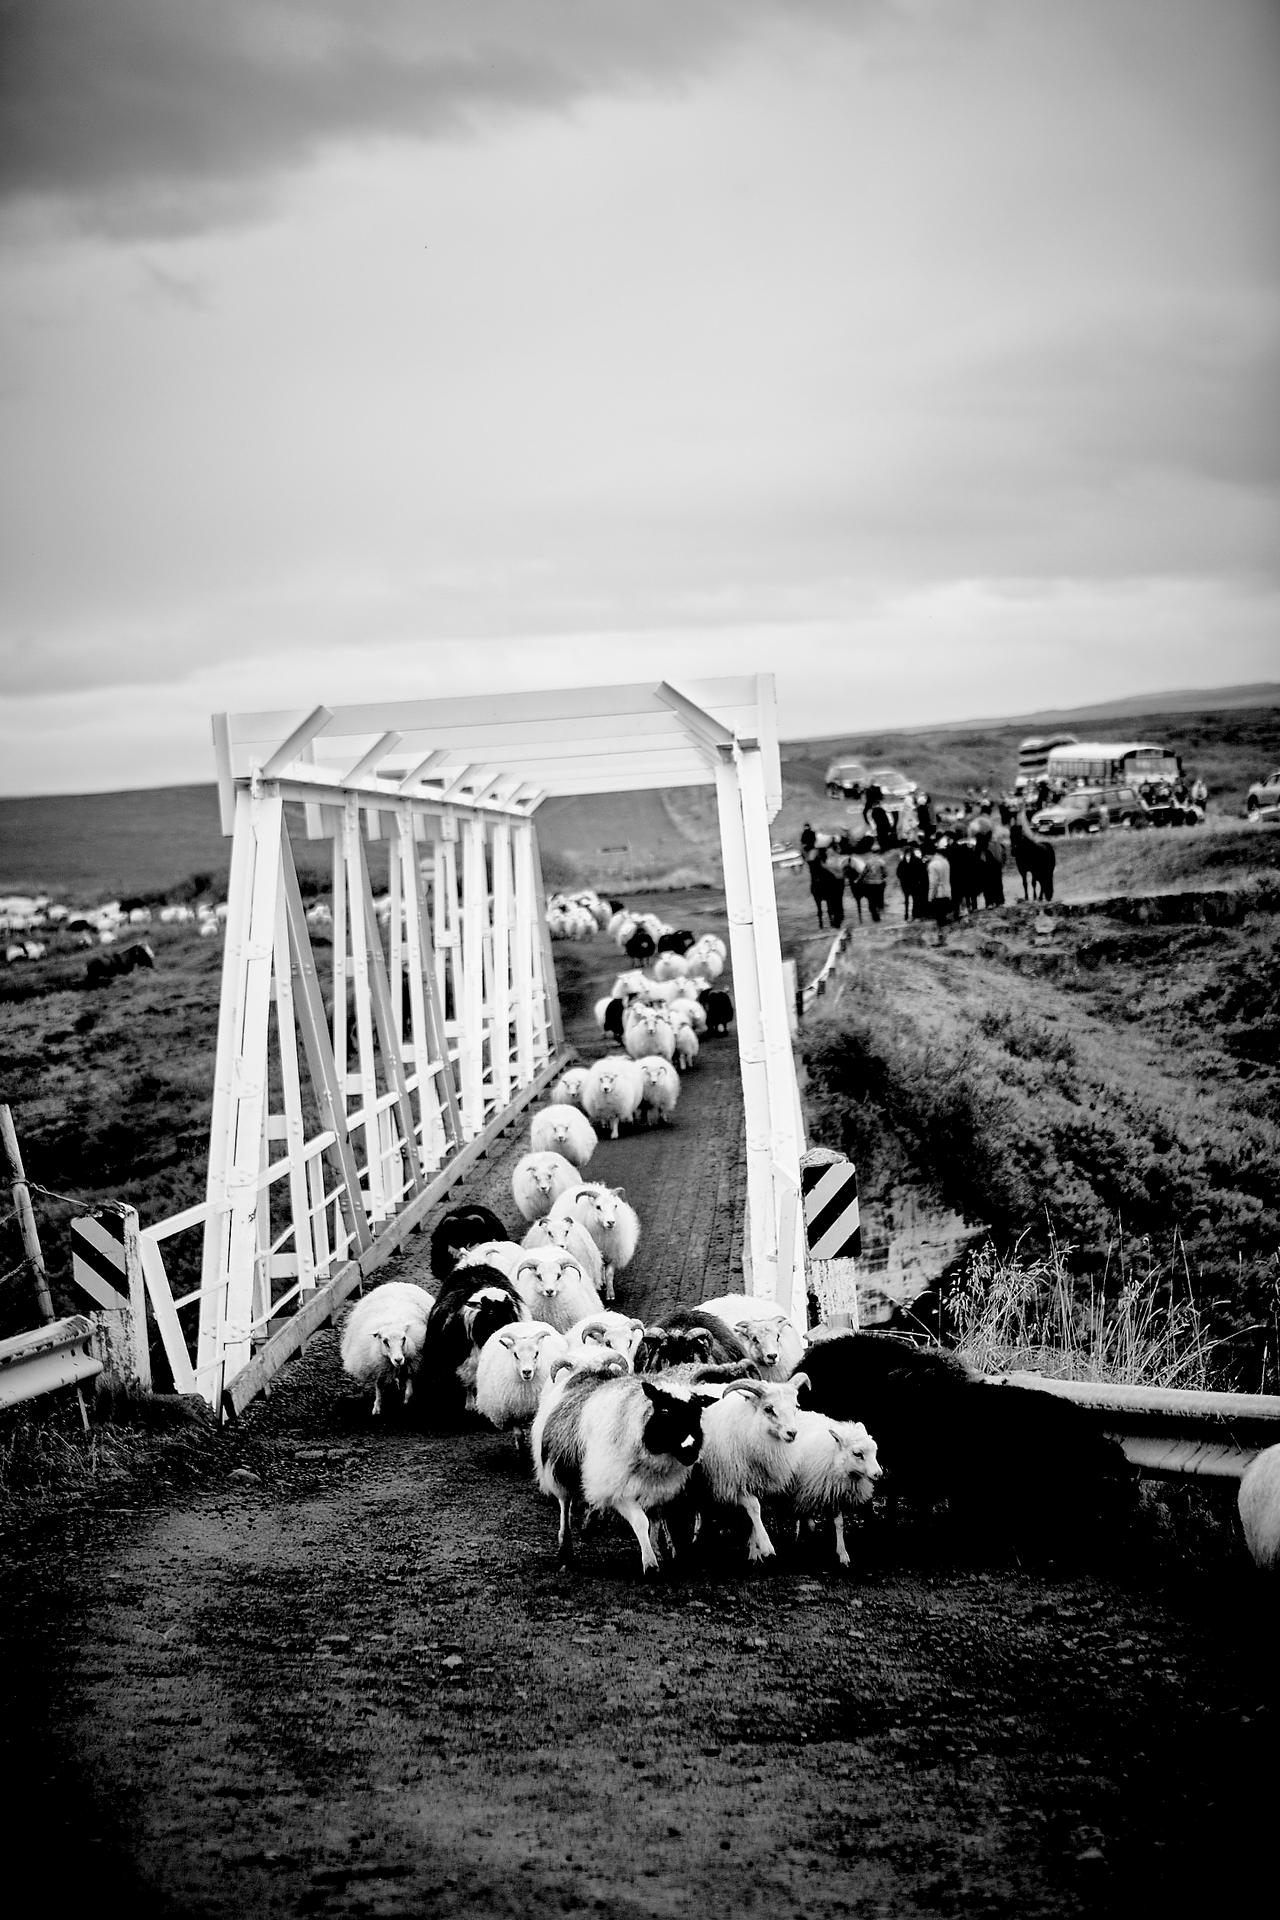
(628,1444)
(775,1345)
(688,1012)
(661,1088)
(686,1045)
(670,966)
(617,1331)
(554,1287)
(538,1179)
(1258,1502)
(647,1030)
(611,1096)
(630,986)
(833,1468)
(561,1230)
(565,1130)
(567,1090)
(505,1255)
(747,1436)
(610,1220)
(514,1366)
(382,1338)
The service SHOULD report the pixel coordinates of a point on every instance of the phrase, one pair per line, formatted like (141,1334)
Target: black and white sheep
(471,1306)
(382,1338)
(610,1220)
(560,1128)
(626,1444)
(538,1180)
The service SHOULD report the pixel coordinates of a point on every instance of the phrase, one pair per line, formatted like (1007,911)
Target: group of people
(943,870)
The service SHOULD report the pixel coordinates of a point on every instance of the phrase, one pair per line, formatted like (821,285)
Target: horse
(1035,861)
(102,967)
(913,878)
(826,887)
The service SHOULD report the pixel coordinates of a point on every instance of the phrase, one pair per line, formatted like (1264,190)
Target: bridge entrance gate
(350,1096)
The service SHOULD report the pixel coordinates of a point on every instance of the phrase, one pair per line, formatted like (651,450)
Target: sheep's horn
(800,1380)
(754,1389)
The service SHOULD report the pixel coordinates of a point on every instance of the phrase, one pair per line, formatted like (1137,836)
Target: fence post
(26,1215)
(833,1235)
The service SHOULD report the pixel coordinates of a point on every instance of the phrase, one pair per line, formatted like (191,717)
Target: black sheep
(613,1019)
(1016,1465)
(718,1007)
(473,1304)
(456,1231)
(641,946)
(678,941)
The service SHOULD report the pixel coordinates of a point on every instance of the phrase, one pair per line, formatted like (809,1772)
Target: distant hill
(86,847)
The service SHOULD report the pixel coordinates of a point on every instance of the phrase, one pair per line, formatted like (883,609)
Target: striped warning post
(98,1259)
(831,1224)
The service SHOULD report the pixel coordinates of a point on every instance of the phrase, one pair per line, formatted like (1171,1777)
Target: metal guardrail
(1172,1430)
(61,1354)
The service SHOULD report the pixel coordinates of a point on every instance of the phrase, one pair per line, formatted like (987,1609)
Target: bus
(1109,763)
(1033,756)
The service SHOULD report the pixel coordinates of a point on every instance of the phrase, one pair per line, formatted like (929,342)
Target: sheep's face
(763,1339)
(525,1350)
(674,1425)
(857,1461)
(394,1350)
(777,1407)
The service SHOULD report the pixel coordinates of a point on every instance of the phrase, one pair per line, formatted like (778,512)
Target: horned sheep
(554,1287)
(514,1366)
(471,1306)
(833,1468)
(628,1444)
(769,1334)
(382,1338)
(610,1220)
(748,1434)
(617,1331)
(460,1228)
(561,1230)
(648,1030)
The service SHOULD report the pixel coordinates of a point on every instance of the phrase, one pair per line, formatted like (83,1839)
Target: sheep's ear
(799,1380)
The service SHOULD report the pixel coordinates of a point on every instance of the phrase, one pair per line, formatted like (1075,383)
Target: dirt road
(309,1668)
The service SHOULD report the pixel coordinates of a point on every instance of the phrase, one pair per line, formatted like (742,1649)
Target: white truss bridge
(353,1090)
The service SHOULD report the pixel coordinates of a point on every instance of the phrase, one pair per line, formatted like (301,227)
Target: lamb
(460,1228)
(1258,1503)
(834,1466)
(617,1331)
(514,1366)
(562,1231)
(646,1030)
(567,1090)
(382,1338)
(686,1048)
(661,1088)
(748,1434)
(554,1287)
(627,1443)
(768,1333)
(538,1179)
(471,1306)
(611,1097)
(610,1221)
(560,1128)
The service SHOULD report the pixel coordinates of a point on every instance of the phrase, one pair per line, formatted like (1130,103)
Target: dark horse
(102,967)
(1036,861)
(827,887)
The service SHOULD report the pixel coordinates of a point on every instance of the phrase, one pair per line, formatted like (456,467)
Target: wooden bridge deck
(686,1181)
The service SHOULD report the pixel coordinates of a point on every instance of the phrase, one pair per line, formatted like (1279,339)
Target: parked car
(847,778)
(1263,801)
(1083,810)
(892,784)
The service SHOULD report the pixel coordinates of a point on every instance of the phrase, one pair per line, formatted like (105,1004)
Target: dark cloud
(168,116)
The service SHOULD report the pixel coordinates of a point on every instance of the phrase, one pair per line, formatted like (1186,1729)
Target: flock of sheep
(724,1409)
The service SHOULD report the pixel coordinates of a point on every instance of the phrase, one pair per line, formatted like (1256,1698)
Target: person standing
(939,887)
(872,883)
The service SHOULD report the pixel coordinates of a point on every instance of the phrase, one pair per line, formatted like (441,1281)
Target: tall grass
(1135,1324)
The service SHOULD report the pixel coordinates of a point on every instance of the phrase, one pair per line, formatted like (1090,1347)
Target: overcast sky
(920,352)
